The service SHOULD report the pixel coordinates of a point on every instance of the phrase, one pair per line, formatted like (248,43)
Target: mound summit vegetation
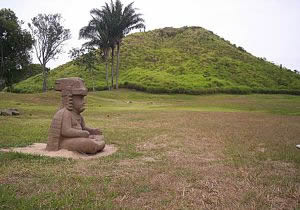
(182,60)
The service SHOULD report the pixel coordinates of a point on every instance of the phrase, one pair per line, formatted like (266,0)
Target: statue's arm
(68,131)
(92,131)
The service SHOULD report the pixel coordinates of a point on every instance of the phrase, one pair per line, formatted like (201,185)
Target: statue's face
(78,104)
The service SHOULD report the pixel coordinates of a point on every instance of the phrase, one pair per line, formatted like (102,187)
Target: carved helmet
(71,86)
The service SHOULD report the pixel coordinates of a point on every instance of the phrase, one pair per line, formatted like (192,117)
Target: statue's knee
(83,145)
(93,147)
(101,145)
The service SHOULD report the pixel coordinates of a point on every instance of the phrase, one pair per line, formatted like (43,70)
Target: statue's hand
(85,134)
(96,131)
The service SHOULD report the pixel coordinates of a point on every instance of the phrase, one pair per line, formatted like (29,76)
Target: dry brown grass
(193,170)
(171,159)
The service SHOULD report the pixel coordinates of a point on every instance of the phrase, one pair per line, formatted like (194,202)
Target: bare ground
(39,149)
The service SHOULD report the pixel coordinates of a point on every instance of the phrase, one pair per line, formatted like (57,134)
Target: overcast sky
(265,28)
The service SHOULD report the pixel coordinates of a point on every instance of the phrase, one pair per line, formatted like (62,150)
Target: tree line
(15,44)
(104,34)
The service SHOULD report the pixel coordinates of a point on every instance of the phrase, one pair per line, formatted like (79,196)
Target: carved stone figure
(68,129)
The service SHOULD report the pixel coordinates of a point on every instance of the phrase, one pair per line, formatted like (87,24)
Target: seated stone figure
(68,129)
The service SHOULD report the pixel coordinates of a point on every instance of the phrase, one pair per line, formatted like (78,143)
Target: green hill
(184,60)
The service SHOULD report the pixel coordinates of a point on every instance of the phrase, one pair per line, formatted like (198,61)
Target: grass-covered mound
(185,60)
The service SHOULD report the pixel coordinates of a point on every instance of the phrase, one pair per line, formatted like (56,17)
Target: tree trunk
(112,67)
(11,81)
(8,80)
(45,75)
(2,62)
(106,67)
(2,73)
(118,64)
(92,72)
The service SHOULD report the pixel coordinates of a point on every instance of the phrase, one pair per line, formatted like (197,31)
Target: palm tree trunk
(112,67)
(106,76)
(44,78)
(106,67)
(118,63)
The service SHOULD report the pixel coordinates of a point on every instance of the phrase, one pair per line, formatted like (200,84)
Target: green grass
(188,60)
(174,152)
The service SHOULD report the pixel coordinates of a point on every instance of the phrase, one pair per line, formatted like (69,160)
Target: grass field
(174,152)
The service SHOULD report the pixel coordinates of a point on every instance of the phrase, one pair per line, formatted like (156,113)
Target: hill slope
(184,60)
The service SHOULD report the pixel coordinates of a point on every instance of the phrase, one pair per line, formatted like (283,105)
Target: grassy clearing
(175,152)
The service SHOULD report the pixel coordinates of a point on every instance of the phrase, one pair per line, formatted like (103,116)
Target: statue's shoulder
(55,130)
(60,112)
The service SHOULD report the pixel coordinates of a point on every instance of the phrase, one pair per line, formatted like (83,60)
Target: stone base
(40,149)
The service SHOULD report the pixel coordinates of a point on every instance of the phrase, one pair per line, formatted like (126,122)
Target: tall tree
(15,45)
(109,18)
(119,22)
(49,35)
(126,20)
(111,23)
(97,33)
(105,18)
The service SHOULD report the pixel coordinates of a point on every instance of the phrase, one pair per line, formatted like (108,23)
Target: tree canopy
(49,35)
(87,58)
(15,46)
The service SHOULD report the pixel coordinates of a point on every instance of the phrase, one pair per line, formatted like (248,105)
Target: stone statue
(68,129)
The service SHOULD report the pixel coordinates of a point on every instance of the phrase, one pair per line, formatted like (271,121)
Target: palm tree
(96,31)
(107,29)
(121,22)
(108,17)
(127,20)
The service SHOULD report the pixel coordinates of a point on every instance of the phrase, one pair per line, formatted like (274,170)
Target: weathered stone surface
(9,112)
(68,130)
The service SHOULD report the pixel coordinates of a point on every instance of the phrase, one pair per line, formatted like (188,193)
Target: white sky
(265,28)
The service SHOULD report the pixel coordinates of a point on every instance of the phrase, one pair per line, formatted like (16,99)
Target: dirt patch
(39,149)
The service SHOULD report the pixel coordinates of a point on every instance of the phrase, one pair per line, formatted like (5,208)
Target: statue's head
(73,91)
